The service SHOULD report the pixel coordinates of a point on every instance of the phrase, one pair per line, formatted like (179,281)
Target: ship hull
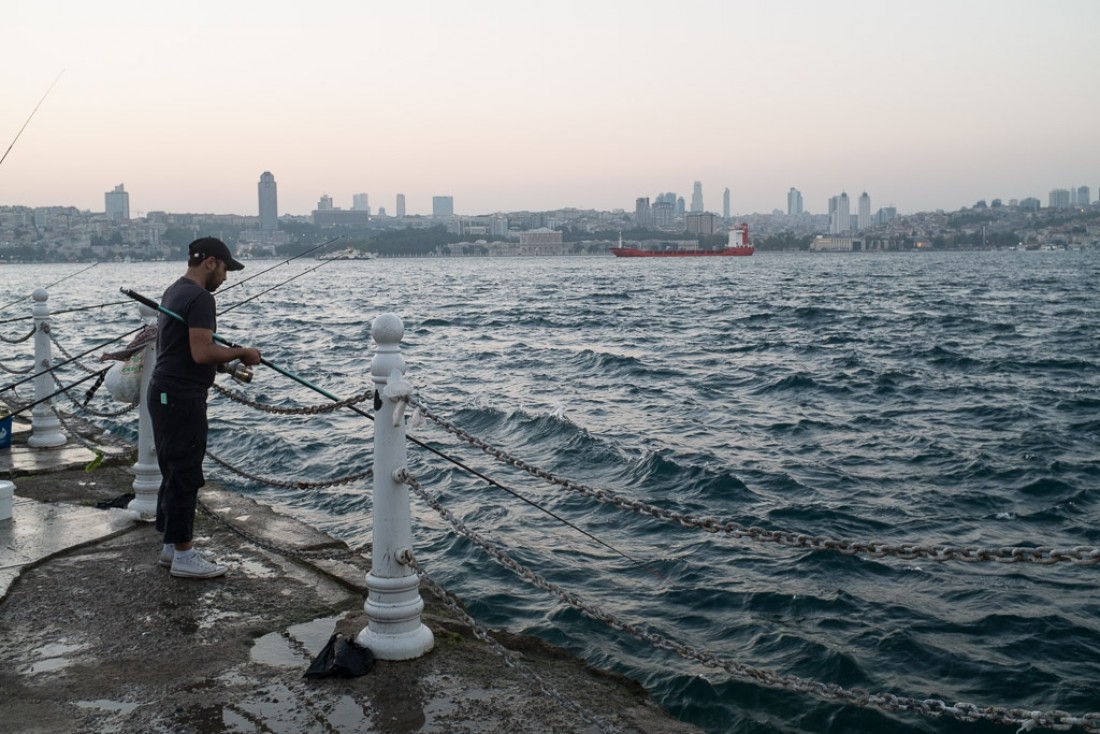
(742,251)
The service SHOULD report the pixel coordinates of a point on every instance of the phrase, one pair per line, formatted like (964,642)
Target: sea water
(926,398)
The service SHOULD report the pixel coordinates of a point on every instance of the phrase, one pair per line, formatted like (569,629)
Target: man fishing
(187,360)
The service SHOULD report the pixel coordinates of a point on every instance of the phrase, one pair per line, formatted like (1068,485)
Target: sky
(506,105)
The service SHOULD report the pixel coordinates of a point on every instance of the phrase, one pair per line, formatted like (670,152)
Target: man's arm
(205,350)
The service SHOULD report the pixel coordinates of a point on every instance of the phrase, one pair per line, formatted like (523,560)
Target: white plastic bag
(123,379)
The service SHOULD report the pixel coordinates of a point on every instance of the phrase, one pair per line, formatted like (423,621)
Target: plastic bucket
(5,432)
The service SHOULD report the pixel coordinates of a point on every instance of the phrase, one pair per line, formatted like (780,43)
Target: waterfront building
(400,206)
(794,202)
(697,198)
(269,202)
(836,243)
(443,206)
(864,220)
(726,204)
(117,203)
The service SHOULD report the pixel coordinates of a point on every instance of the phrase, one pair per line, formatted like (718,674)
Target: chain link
(20,339)
(291,483)
(1024,718)
(1045,555)
(91,411)
(98,449)
(510,658)
(303,554)
(13,371)
(46,328)
(309,410)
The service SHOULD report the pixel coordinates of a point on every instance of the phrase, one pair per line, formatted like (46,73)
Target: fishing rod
(55,393)
(48,370)
(277,285)
(302,381)
(284,262)
(29,117)
(51,285)
(66,310)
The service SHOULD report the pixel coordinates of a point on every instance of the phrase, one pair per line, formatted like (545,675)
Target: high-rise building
(360,203)
(864,220)
(840,218)
(703,223)
(1059,199)
(117,203)
(794,202)
(664,213)
(325,203)
(643,217)
(400,205)
(697,198)
(726,204)
(680,206)
(269,202)
(1083,196)
(443,206)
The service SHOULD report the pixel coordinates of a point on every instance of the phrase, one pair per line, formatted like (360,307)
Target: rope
(291,483)
(308,410)
(511,659)
(1044,555)
(1024,718)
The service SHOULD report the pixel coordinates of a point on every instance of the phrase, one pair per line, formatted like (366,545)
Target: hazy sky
(506,104)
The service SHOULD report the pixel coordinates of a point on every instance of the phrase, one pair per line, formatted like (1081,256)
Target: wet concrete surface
(96,637)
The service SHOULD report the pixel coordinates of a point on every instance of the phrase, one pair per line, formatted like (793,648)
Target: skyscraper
(400,205)
(840,218)
(443,206)
(1059,199)
(1083,196)
(117,203)
(360,202)
(794,202)
(642,214)
(269,202)
(697,198)
(726,204)
(864,211)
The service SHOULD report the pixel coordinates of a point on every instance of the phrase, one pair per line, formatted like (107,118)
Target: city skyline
(939,106)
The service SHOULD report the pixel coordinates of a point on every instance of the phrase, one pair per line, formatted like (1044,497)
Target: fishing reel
(237,370)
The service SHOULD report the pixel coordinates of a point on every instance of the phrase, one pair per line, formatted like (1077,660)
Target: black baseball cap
(205,247)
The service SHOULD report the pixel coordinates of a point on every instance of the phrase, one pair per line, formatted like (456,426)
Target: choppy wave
(932,398)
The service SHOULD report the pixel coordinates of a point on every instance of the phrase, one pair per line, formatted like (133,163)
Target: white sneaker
(193,566)
(168,552)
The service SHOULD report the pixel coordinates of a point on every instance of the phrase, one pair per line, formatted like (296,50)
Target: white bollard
(146,471)
(394,630)
(45,427)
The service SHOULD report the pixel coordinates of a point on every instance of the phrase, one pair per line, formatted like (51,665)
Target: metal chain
(1084,555)
(69,357)
(13,371)
(91,411)
(17,340)
(309,410)
(1024,718)
(510,658)
(320,554)
(110,453)
(291,483)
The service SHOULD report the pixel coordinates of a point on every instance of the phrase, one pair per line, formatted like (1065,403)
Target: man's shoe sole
(189,575)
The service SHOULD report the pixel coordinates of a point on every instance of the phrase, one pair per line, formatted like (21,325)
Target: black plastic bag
(341,658)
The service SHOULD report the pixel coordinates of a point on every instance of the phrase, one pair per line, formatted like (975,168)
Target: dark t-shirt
(175,369)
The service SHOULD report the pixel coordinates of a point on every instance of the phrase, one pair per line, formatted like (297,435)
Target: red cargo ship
(739,246)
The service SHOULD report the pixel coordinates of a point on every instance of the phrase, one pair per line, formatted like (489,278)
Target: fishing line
(277,285)
(51,285)
(302,381)
(280,264)
(67,310)
(55,393)
(2,159)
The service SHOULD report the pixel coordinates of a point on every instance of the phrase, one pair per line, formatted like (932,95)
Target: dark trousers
(179,433)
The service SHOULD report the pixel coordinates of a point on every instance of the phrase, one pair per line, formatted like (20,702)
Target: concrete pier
(95,636)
